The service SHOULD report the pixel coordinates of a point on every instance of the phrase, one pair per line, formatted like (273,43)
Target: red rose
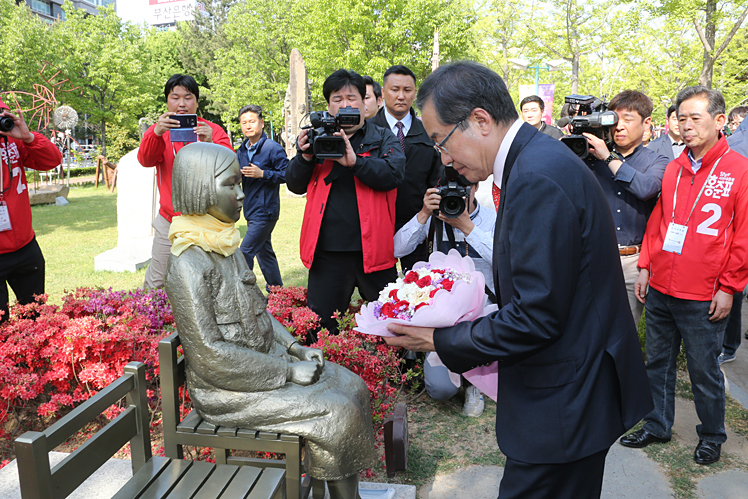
(411,276)
(421,305)
(424,281)
(447,284)
(402,304)
(433,292)
(388,310)
(393,294)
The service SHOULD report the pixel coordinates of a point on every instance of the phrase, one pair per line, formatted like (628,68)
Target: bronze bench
(192,430)
(153,477)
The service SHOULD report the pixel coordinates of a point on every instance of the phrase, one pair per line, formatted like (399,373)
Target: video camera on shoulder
(588,115)
(324,144)
(455,193)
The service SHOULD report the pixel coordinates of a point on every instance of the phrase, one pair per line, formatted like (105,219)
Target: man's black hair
(741,111)
(251,108)
(632,100)
(399,69)
(671,110)
(343,78)
(714,98)
(376,88)
(532,98)
(185,81)
(455,90)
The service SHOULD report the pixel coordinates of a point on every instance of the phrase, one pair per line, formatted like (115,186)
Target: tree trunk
(710,32)
(103,137)
(575,72)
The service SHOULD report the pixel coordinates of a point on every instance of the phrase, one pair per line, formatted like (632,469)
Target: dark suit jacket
(571,371)
(738,141)
(662,145)
(422,164)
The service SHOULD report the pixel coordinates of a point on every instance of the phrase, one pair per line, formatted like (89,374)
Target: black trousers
(23,269)
(581,479)
(332,278)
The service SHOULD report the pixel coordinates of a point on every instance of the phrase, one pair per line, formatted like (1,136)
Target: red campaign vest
(376,210)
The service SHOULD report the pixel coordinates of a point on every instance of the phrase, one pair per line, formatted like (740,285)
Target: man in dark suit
(571,373)
(421,161)
(671,144)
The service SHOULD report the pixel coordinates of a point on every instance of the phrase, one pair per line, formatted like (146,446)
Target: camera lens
(452,205)
(6,124)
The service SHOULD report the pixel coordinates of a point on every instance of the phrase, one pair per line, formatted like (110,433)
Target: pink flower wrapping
(465,302)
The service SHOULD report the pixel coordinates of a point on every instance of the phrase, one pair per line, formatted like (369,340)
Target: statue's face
(228,207)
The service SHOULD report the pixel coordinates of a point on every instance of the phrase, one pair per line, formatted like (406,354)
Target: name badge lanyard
(4,213)
(677,183)
(3,190)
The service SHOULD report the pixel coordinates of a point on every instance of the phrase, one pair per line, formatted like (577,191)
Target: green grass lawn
(71,236)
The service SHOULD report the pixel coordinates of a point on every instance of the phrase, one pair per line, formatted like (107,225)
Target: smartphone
(185,132)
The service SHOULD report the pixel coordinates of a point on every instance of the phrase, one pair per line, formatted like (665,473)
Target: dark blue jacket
(662,145)
(571,371)
(262,195)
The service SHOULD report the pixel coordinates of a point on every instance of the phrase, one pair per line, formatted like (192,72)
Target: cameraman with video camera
(631,178)
(349,173)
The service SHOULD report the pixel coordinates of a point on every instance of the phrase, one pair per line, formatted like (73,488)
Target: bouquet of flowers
(439,293)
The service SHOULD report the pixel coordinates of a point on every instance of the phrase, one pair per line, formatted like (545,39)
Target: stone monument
(297,102)
(137,205)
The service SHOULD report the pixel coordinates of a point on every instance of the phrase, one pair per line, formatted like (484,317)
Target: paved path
(629,473)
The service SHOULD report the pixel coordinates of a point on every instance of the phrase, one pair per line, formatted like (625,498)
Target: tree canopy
(238,51)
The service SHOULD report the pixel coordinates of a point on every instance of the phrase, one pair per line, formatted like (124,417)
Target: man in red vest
(347,236)
(21,259)
(693,260)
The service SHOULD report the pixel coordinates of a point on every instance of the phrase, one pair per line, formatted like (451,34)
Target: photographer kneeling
(468,228)
(349,175)
(631,178)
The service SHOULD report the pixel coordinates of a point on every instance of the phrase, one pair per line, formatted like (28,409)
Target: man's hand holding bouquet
(439,293)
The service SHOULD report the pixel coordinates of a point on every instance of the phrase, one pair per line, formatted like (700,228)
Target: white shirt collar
(506,143)
(392,122)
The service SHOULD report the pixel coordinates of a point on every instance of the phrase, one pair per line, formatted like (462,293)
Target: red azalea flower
(411,276)
(393,294)
(424,281)
(447,284)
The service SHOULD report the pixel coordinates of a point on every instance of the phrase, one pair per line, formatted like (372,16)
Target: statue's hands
(303,373)
(308,354)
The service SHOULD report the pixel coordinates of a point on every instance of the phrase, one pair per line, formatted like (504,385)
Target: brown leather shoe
(640,439)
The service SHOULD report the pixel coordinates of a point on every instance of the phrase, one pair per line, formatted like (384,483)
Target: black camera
(454,193)
(324,144)
(588,115)
(6,124)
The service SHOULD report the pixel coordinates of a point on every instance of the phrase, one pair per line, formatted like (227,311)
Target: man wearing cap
(21,259)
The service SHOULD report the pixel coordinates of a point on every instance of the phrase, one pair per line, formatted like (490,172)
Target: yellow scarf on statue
(205,231)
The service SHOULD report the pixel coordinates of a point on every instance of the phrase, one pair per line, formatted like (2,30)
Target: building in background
(50,10)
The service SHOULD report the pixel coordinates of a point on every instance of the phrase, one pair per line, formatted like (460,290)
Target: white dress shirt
(506,143)
(392,122)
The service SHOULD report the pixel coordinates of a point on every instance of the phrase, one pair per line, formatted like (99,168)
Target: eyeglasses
(440,146)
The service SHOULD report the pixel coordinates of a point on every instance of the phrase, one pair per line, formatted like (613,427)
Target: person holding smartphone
(160,144)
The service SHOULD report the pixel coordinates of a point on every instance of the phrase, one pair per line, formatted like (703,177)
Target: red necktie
(496,192)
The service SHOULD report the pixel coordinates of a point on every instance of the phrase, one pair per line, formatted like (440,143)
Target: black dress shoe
(641,438)
(707,452)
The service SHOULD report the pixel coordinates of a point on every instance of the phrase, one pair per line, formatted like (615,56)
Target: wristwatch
(612,156)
